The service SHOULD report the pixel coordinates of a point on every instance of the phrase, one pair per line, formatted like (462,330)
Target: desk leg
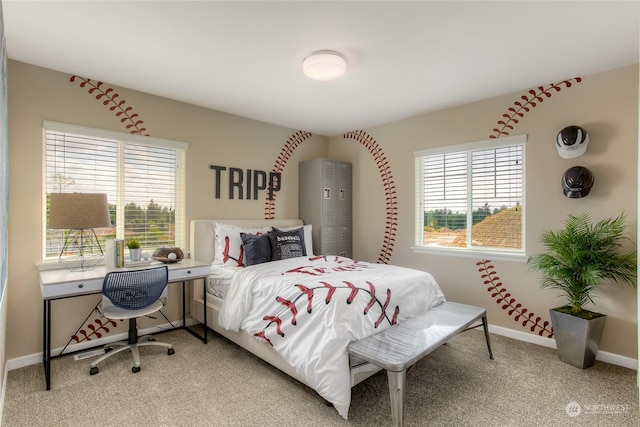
(204,296)
(486,335)
(397,381)
(184,297)
(46,341)
(184,316)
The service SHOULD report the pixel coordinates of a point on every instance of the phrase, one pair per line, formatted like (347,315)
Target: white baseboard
(604,356)
(32,359)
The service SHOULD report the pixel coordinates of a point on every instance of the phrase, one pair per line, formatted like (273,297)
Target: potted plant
(578,259)
(135,253)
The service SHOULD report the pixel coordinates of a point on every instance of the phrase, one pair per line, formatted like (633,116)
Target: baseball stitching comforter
(310,308)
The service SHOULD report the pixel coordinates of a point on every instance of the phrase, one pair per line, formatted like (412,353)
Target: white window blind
(471,196)
(143,177)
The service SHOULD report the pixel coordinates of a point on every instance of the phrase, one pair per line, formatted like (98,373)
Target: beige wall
(37,94)
(606,105)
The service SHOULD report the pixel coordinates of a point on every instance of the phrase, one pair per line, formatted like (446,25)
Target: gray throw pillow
(257,248)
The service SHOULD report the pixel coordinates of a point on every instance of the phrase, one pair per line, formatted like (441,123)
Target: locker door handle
(327,193)
(343,194)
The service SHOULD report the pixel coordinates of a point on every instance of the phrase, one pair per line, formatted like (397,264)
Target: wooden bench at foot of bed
(397,348)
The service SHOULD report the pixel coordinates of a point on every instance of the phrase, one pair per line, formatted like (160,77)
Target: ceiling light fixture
(324,65)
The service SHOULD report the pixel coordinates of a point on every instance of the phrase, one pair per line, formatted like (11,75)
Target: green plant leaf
(583,255)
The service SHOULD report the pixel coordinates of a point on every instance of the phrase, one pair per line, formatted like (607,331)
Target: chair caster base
(170,351)
(94,370)
(135,369)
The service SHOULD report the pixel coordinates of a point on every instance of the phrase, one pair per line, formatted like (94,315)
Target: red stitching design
(307,292)
(529,101)
(391,199)
(502,296)
(226,256)
(372,291)
(379,157)
(94,329)
(281,162)
(292,308)
(354,292)
(125,114)
(133,127)
(332,290)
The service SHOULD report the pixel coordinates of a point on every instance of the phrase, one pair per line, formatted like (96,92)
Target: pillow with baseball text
(308,237)
(287,244)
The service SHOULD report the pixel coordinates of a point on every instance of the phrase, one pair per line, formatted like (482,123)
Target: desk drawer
(189,273)
(81,287)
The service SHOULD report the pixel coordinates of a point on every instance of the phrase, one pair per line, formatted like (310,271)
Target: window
(143,177)
(470,198)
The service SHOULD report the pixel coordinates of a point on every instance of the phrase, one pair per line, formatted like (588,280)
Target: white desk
(62,283)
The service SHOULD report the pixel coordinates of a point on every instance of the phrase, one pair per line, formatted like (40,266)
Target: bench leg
(485,325)
(397,381)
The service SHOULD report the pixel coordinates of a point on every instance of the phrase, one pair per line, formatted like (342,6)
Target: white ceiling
(245,58)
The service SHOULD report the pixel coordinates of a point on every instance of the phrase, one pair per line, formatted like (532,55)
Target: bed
(270,308)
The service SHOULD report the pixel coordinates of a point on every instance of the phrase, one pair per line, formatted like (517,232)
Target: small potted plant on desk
(579,258)
(135,253)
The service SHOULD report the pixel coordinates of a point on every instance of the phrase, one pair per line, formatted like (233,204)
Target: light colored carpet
(220,384)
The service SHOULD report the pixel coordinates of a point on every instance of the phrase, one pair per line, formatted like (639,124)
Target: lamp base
(81,250)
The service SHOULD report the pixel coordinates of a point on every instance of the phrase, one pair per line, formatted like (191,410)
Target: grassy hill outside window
(143,177)
(470,198)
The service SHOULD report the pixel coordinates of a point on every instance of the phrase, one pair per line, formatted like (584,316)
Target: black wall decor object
(577,182)
(572,142)
(247,183)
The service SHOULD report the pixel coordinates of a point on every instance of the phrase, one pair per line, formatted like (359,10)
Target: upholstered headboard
(202,234)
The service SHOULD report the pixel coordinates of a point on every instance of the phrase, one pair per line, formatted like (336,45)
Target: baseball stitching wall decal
(281,162)
(502,296)
(134,125)
(379,157)
(92,330)
(528,101)
(391,199)
(126,114)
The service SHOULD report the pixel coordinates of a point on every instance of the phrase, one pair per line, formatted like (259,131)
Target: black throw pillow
(287,244)
(257,248)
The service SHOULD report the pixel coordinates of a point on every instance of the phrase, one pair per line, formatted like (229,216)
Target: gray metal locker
(325,202)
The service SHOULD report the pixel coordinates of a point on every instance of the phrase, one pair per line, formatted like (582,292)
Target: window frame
(122,139)
(518,255)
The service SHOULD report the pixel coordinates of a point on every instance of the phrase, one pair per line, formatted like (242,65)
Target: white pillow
(308,238)
(229,251)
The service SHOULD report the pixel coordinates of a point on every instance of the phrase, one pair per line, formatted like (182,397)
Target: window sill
(472,253)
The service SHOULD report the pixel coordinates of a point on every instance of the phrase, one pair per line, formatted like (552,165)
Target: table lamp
(79,213)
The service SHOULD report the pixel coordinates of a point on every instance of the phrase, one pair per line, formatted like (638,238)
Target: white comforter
(311,308)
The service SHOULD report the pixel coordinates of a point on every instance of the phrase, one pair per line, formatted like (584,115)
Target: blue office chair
(130,294)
